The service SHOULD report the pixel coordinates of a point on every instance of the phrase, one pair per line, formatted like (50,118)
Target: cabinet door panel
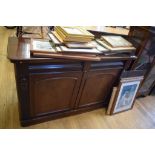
(51,93)
(97,86)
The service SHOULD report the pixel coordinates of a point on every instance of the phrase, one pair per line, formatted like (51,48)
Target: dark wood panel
(22,82)
(51,93)
(97,86)
(61,114)
(57,67)
(103,65)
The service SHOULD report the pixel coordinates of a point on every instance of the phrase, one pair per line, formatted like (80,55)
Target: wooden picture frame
(124,95)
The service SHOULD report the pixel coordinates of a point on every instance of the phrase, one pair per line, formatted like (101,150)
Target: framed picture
(74,31)
(126,96)
(41,46)
(123,96)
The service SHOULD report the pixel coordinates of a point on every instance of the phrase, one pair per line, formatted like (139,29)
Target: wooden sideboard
(50,88)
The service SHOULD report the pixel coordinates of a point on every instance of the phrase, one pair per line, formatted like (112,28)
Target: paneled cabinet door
(54,92)
(97,86)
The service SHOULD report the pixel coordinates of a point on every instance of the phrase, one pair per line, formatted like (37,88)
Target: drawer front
(106,65)
(55,67)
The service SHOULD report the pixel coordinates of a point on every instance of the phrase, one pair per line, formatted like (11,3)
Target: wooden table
(51,88)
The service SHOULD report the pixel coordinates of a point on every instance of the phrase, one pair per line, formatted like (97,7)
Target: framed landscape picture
(41,46)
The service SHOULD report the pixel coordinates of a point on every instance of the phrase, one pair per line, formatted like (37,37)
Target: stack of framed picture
(123,96)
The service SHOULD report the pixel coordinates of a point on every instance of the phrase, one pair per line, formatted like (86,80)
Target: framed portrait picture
(126,96)
(123,96)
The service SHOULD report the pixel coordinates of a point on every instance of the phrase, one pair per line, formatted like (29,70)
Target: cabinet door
(53,92)
(97,86)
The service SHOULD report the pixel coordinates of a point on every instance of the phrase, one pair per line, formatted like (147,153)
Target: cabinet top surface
(19,50)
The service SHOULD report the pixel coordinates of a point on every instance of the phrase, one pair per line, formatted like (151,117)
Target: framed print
(116,41)
(123,96)
(126,96)
(41,46)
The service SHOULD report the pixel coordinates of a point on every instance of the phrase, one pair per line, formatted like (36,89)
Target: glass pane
(147,55)
(148,81)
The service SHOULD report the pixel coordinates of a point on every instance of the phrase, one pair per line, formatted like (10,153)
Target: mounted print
(41,46)
(126,96)
(123,96)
